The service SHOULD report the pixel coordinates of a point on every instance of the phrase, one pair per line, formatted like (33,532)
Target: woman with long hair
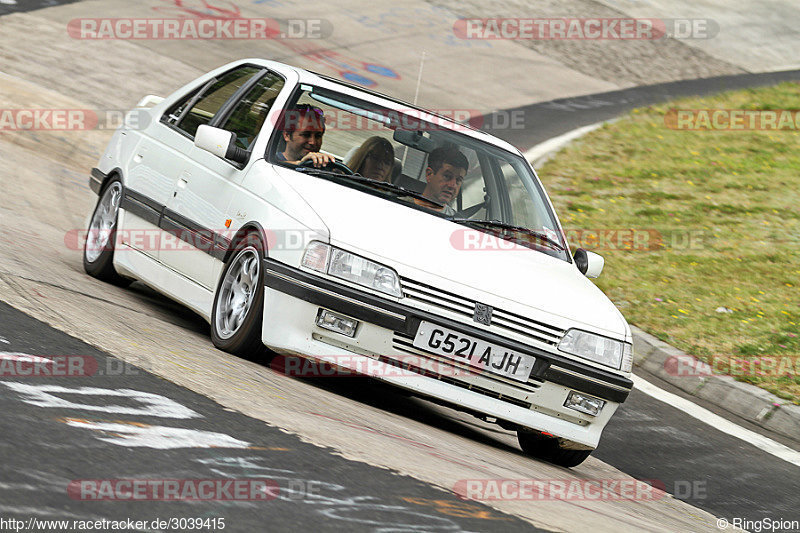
(373,159)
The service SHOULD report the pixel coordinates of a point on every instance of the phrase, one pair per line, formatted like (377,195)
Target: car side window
(248,115)
(203,109)
(473,190)
(174,114)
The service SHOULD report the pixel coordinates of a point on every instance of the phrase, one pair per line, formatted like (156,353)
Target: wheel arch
(248,228)
(100,179)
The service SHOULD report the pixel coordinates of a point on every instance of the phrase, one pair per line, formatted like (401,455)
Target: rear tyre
(98,250)
(546,448)
(238,309)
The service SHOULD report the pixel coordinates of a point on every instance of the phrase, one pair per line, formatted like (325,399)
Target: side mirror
(221,143)
(589,263)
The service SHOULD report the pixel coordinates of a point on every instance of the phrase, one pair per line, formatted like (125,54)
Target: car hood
(417,244)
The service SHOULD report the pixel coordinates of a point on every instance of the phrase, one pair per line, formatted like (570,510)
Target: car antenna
(419,76)
(416,94)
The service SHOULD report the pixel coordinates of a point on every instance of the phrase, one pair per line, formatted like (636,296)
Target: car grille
(517,390)
(503,320)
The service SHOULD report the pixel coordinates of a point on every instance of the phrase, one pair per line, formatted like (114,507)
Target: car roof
(314,78)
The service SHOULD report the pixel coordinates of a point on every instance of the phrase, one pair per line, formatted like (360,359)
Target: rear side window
(250,112)
(192,112)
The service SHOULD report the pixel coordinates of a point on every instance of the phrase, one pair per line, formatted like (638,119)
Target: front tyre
(98,251)
(546,448)
(239,303)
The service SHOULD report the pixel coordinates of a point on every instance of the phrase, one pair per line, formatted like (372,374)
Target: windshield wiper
(314,170)
(487,224)
(383,185)
(401,191)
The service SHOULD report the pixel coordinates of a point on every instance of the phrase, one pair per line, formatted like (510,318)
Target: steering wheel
(332,166)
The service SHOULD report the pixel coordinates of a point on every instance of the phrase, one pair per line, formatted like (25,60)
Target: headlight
(596,348)
(340,264)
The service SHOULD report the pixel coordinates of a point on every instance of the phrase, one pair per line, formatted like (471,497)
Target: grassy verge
(700,231)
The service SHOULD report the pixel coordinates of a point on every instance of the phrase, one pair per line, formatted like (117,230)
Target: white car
(436,263)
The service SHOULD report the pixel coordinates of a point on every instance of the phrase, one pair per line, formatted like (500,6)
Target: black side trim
(221,245)
(198,239)
(96,180)
(142,206)
(188,231)
(404,319)
(201,238)
(586,384)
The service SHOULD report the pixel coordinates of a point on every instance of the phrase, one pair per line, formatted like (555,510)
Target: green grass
(723,208)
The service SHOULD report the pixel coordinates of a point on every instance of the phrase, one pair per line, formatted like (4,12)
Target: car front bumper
(382,348)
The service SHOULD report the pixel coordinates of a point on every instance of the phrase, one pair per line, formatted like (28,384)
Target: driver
(447,167)
(304,127)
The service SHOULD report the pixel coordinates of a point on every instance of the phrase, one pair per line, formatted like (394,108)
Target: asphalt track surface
(19,6)
(317,490)
(545,120)
(699,464)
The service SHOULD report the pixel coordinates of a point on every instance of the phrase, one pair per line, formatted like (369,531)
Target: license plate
(474,352)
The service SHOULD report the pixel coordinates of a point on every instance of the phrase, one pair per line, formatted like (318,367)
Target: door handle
(140,153)
(183,181)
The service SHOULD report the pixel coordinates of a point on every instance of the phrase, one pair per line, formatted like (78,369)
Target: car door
(199,211)
(155,163)
(161,156)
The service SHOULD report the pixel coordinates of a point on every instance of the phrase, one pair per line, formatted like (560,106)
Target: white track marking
(154,404)
(726,426)
(557,143)
(159,437)
(17,486)
(25,358)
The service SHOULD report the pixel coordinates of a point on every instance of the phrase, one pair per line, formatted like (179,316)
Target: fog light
(584,403)
(333,322)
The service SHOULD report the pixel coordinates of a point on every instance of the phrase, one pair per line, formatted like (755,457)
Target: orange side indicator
(228,223)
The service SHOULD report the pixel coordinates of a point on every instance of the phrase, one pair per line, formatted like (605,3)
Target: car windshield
(414,157)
